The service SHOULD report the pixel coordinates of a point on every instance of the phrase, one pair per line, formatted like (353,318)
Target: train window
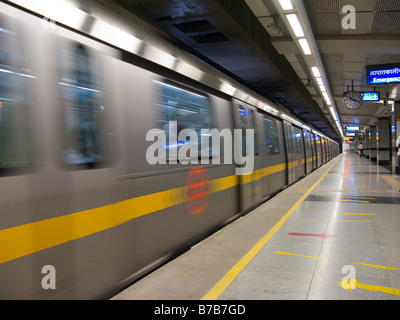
(178,109)
(271,139)
(83,108)
(297,140)
(15,105)
(247,121)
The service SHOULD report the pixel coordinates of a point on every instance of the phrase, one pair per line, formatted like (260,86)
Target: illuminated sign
(350,134)
(352,128)
(371,96)
(381,74)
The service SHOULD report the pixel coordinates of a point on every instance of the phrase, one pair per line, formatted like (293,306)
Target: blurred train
(79,204)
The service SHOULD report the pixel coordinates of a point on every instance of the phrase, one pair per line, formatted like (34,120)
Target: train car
(92,193)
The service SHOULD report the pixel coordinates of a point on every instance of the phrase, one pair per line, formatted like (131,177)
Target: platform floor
(338,227)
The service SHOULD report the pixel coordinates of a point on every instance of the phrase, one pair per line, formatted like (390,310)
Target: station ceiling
(251,41)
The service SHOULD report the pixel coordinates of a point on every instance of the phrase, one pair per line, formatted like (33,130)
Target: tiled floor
(340,223)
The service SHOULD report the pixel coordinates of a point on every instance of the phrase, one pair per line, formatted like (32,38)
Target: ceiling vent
(210,38)
(195,26)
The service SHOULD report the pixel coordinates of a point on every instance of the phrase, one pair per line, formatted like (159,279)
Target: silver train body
(82,211)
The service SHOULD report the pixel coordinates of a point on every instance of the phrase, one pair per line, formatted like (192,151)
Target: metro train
(83,214)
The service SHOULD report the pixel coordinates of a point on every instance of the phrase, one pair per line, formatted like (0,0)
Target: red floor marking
(322,235)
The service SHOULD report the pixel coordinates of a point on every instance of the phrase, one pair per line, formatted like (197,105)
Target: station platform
(335,234)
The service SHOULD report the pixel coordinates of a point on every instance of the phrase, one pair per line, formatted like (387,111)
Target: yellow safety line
(227,279)
(393,183)
(364,286)
(300,255)
(376,266)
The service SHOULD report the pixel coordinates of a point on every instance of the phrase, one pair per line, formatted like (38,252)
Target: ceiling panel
(253,44)
(386,23)
(322,6)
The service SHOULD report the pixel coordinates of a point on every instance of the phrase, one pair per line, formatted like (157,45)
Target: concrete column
(364,142)
(372,139)
(384,141)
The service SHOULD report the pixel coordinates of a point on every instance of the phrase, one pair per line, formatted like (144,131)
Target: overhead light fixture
(58,10)
(319,81)
(305,46)
(316,72)
(333,114)
(295,24)
(286,4)
(322,88)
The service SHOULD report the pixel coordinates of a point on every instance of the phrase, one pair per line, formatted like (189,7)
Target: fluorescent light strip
(319,81)
(305,46)
(295,24)
(322,88)
(59,10)
(286,4)
(333,113)
(316,72)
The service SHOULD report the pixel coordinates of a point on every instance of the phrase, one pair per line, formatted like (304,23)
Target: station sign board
(371,96)
(350,134)
(383,74)
(352,128)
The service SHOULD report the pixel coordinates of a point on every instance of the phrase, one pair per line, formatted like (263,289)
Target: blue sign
(352,128)
(371,96)
(350,134)
(381,74)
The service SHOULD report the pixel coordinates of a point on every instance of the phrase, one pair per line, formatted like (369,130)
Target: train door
(314,151)
(319,150)
(328,146)
(288,133)
(246,117)
(308,149)
(298,142)
(323,148)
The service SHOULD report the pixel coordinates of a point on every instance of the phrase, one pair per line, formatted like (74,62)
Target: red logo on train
(197,190)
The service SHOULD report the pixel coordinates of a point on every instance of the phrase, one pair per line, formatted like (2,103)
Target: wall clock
(352,99)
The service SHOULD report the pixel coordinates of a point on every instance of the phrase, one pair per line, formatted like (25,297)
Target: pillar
(384,141)
(397,132)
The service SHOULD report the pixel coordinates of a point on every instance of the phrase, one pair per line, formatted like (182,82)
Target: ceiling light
(322,88)
(295,24)
(305,46)
(286,4)
(58,10)
(328,101)
(320,82)
(316,72)
(333,113)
